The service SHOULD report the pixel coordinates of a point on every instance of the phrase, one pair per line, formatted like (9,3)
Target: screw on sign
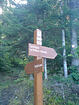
(37,67)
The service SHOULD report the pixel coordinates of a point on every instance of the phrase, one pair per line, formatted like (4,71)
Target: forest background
(59,22)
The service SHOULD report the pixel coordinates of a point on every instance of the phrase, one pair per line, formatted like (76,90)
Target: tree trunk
(74,45)
(31,76)
(45,62)
(74,4)
(64,54)
(75,59)
(63,45)
(45,69)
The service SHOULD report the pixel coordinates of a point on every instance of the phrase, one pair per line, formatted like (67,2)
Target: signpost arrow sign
(41,51)
(35,66)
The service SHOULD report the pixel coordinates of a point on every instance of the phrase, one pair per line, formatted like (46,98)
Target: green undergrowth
(61,91)
(57,90)
(21,88)
(24,91)
(52,98)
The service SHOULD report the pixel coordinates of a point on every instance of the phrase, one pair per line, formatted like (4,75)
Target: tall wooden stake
(38,90)
(37,66)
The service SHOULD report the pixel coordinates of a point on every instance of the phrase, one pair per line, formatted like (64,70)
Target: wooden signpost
(37,67)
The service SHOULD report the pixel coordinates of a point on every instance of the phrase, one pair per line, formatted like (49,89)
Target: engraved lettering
(42,51)
(37,66)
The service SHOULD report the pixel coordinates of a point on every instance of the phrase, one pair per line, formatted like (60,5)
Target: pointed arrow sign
(35,66)
(41,51)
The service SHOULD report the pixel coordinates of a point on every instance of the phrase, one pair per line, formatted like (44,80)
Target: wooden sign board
(38,37)
(29,68)
(35,66)
(41,51)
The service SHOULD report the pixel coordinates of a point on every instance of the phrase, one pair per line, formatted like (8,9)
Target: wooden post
(38,90)
(37,67)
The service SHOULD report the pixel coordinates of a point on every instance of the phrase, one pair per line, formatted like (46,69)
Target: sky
(0,11)
(21,1)
(16,1)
